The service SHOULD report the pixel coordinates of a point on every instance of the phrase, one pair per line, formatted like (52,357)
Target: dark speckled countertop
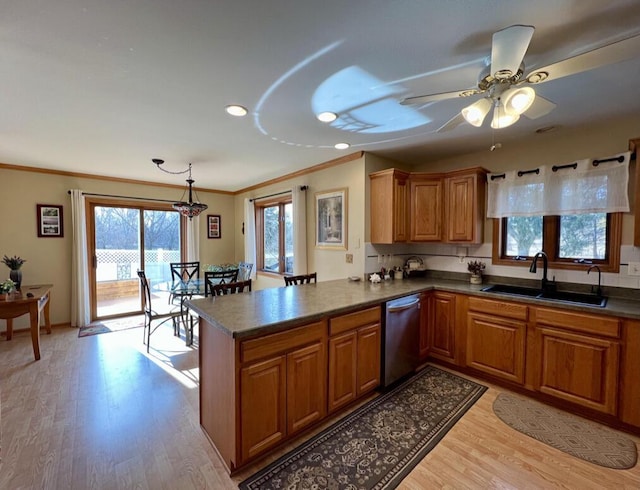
(270,310)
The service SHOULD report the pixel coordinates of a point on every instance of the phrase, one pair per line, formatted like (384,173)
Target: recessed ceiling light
(341,146)
(236,110)
(327,117)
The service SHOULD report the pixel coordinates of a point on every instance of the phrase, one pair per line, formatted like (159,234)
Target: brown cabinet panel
(496,346)
(389,206)
(306,387)
(579,322)
(426,209)
(464,205)
(425,322)
(343,374)
(350,321)
(368,365)
(263,411)
(579,368)
(442,327)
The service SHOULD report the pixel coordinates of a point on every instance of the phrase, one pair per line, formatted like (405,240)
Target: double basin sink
(562,296)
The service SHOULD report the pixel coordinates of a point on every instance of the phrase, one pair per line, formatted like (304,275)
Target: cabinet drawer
(593,324)
(499,308)
(357,319)
(281,342)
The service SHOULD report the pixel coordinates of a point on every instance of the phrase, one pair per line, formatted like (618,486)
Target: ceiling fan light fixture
(327,117)
(503,119)
(475,113)
(518,100)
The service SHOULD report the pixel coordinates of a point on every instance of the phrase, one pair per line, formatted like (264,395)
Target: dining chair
(166,313)
(223,288)
(211,278)
(244,271)
(184,272)
(300,279)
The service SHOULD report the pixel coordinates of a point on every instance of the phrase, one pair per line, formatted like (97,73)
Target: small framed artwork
(331,219)
(50,220)
(214,223)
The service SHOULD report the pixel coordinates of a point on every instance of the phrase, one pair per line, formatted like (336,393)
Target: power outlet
(349,258)
(633,269)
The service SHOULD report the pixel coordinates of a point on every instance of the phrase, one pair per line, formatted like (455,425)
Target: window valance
(580,187)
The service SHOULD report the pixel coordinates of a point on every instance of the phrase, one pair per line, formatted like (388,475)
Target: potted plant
(476,267)
(6,287)
(14,263)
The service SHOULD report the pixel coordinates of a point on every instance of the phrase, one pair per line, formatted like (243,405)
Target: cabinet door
(400,209)
(496,346)
(263,399)
(442,327)
(343,375)
(368,362)
(426,210)
(306,387)
(460,208)
(579,368)
(389,224)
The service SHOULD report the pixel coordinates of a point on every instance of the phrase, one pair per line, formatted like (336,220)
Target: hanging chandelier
(188,208)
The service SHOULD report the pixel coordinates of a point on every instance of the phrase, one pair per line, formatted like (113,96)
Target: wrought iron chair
(222,289)
(169,312)
(301,279)
(211,278)
(183,275)
(244,271)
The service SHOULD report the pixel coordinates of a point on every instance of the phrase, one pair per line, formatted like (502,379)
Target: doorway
(123,238)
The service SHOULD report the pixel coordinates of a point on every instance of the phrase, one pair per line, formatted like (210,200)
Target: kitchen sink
(509,289)
(571,297)
(561,296)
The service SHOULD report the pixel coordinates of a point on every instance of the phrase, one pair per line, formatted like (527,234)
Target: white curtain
(250,235)
(299,204)
(80,307)
(193,239)
(584,186)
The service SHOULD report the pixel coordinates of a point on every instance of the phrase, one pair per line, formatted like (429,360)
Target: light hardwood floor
(99,413)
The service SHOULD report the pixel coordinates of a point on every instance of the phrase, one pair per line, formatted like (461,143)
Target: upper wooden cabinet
(389,206)
(428,207)
(464,205)
(425,207)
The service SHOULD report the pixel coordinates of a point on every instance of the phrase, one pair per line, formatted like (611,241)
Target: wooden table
(18,303)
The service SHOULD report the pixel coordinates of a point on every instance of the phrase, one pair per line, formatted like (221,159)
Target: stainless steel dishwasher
(401,338)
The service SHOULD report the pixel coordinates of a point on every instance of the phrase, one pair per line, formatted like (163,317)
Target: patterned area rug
(377,445)
(111,326)
(573,435)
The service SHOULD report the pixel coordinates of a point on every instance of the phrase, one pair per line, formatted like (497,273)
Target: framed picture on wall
(331,219)
(50,220)
(214,229)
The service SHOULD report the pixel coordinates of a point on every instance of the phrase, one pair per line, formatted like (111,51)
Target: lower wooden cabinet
(306,387)
(441,327)
(496,338)
(579,358)
(354,356)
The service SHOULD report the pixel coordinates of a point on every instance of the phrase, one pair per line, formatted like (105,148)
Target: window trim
(280,201)
(550,237)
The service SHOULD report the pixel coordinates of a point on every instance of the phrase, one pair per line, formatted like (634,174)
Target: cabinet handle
(402,307)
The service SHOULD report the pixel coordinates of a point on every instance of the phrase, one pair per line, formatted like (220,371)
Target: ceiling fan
(508,90)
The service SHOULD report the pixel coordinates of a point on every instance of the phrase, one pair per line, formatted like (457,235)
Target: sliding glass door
(123,238)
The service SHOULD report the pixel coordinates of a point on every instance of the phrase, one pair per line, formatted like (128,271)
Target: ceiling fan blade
(452,123)
(422,99)
(508,49)
(540,107)
(605,55)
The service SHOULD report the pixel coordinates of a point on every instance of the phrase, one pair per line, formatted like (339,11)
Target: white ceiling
(102,87)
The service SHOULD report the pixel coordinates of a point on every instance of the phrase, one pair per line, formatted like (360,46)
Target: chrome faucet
(545,264)
(599,290)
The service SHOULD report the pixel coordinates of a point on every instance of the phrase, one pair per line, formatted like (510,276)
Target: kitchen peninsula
(277,361)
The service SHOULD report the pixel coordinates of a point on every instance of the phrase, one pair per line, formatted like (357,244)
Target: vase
(16,276)
(475,279)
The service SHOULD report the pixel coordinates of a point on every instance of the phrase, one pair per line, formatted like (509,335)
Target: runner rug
(111,326)
(377,445)
(576,436)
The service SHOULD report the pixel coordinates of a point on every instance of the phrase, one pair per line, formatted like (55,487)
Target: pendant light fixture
(188,208)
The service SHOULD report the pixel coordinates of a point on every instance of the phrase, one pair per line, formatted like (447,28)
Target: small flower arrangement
(7,286)
(14,263)
(476,267)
